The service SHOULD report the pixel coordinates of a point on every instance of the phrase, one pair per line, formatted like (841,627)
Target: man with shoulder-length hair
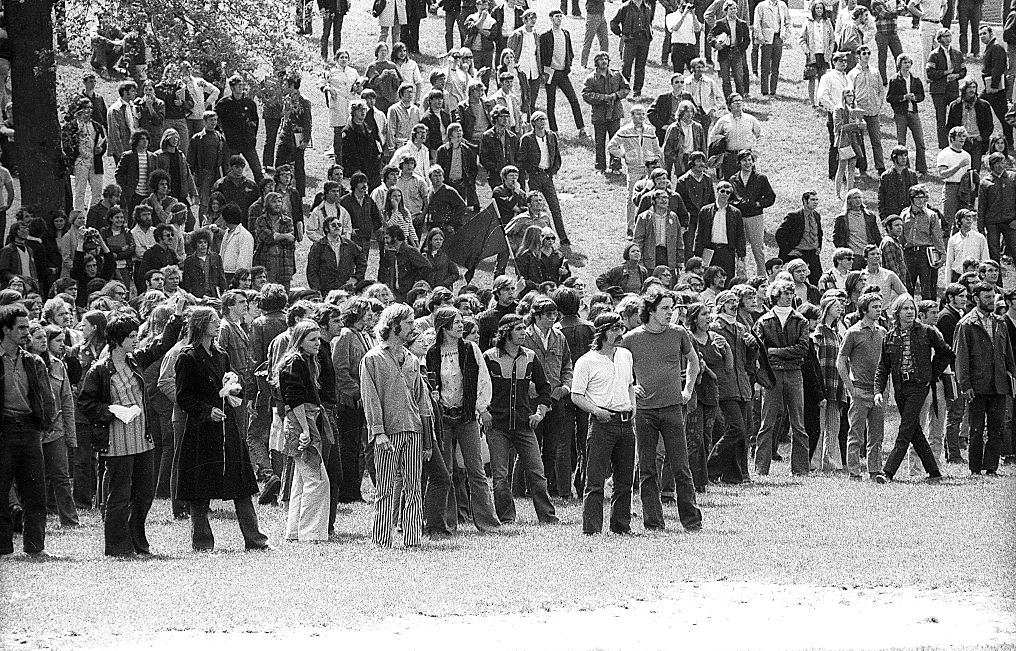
(984,365)
(604,386)
(914,355)
(666,366)
(27,409)
(399,417)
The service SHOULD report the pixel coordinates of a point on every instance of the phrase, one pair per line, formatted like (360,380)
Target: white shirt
(420,154)
(197,87)
(719,234)
(544,151)
(960,247)
(237,250)
(604,381)
(144,239)
(527,57)
(949,157)
(830,89)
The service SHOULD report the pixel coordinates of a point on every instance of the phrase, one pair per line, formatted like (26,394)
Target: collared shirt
(809,239)
(144,239)
(719,234)
(962,246)
(970,120)
(15,384)
(541,141)
(25,258)
(862,346)
(604,380)
(86,141)
(830,89)
(394,396)
(660,226)
(528,67)
(455,172)
(705,93)
(741,132)
(922,228)
(986,321)
(868,89)
(127,438)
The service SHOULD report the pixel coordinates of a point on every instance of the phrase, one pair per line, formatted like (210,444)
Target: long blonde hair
(297,336)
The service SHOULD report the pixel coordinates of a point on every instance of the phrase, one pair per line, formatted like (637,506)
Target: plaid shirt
(885,17)
(827,346)
(892,256)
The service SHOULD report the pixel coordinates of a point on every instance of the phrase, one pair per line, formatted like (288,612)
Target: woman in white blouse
(408,68)
(338,90)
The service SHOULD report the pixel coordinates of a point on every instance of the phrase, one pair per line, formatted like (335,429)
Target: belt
(451,412)
(620,416)
(917,248)
(952,182)
(932,20)
(908,376)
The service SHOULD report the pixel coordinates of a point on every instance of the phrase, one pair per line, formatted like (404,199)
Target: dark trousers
(918,269)
(984,451)
(350,421)
(603,131)
(650,425)
(84,468)
(451,20)
(1000,235)
(681,55)
(58,480)
(610,450)
(969,16)
(22,461)
(941,102)
(331,454)
(524,443)
(202,537)
(734,66)
(331,23)
(910,398)
(771,56)
(544,182)
(887,43)
(634,56)
(724,460)
(575,8)
(251,156)
(128,489)
(160,426)
(833,150)
(437,481)
(556,443)
(814,265)
(179,424)
(529,88)
(954,421)
(699,434)
(999,106)
(271,133)
(559,79)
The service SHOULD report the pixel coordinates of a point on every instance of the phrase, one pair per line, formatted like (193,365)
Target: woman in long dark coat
(213,460)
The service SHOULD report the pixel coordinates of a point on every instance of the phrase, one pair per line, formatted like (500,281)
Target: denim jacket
(930,352)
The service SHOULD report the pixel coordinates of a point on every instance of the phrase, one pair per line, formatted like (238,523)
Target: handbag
(378,8)
(845,153)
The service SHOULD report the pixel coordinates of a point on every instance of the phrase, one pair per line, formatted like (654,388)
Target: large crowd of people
(158,340)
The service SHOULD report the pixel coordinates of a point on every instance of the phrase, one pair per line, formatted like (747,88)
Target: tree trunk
(33,86)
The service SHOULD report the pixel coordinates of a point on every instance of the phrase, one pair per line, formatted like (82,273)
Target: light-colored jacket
(237,249)
(64,424)
(118,134)
(636,146)
(810,44)
(338,91)
(770,18)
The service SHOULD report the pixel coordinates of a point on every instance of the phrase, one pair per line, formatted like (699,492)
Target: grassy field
(780,545)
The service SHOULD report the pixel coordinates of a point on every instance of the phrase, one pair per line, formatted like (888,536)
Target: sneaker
(856,478)
(881,478)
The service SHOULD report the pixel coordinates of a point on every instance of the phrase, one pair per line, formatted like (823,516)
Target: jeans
(201,530)
(864,416)
(84,468)
(58,479)
(331,23)
(596,27)
(955,424)
(912,121)
(918,269)
(999,234)
(307,517)
(160,425)
(437,481)
(544,182)
(650,425)
(999,106)
(827,454)
(724,459)
(635,54)
(771,55)
(271,134)
(575,7)
(734,65)
(984,451)
(22,461)
(950,204)
(405,460)
(941,102)
(559,78)
(257,440)
(530,89)
(786,397)
(524,443)
(85,178)
(332,456)
(875,137)
(884,43)
(610,450)
(451,20)
(969,16)
(755,231)
(481,505)
(699,433)
(128,489)
(602,131)
(910,398)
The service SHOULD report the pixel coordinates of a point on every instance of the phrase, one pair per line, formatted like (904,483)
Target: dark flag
(479,238)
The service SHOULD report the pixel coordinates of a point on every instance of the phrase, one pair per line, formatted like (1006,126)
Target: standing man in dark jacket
(236,187)
(944,70)
(27,409)
(206,156)
(334,261)
(996,83)
(721,230)
(696,190)
(784,333)
(332,13)
(401,265)
(984,371)
(557,54)
(539,161)
(958,114)
(633,22)
(364,214)
(914,355)
(361,149)
(604,89)
(238,119)
(955,308)
(996,207)
(294,133)
(499,146)
(752,195)
(895,183)
(460,150)
(800,236)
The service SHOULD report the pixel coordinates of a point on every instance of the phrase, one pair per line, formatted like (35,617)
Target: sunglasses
(724,191)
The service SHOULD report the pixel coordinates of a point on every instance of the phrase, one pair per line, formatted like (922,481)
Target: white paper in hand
(125,414)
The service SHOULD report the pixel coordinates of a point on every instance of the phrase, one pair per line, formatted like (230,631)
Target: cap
(501,282)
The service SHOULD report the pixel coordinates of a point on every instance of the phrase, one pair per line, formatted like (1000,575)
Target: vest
(470,372)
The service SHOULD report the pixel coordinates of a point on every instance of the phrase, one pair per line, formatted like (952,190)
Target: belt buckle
(625,416)
(905,375)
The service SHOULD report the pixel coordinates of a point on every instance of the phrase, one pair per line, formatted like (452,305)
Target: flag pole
(511,253)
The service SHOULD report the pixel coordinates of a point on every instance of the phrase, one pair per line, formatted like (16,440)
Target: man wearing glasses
(721,231)
(870,98)
(923,249)
(830,97)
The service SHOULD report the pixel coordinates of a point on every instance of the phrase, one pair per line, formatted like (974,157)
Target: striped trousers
(406,461)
